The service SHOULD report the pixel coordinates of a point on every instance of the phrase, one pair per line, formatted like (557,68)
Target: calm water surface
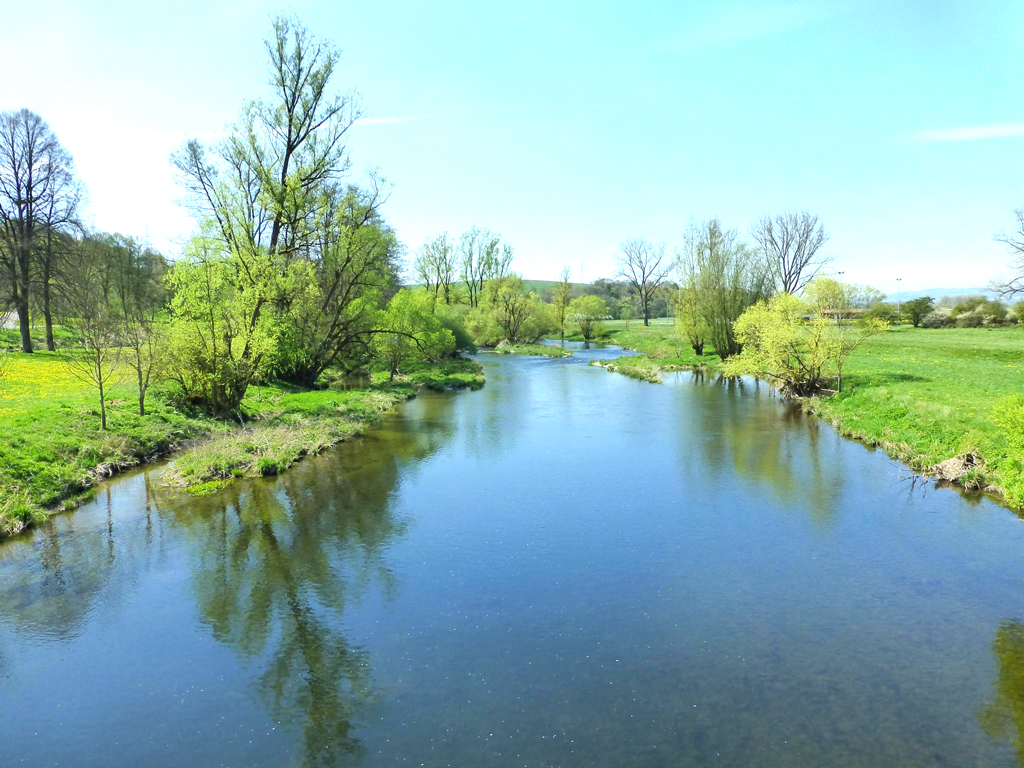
(567,568)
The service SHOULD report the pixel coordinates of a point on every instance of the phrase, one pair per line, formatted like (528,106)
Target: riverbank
(924,396)
(53,453)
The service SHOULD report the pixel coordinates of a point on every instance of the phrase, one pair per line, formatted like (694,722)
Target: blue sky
(569,127)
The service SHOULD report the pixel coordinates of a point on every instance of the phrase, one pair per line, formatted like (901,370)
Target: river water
(566,568)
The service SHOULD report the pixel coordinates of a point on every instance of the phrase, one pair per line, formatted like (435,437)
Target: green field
(922,395)
(52,450)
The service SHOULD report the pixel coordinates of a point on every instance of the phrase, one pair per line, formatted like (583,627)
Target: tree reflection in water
(778,449)
(1003,717)
(277,560)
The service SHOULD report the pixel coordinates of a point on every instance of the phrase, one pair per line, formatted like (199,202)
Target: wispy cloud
(388,120)
(971,132)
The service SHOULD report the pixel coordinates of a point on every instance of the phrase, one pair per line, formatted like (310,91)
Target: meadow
(53,452)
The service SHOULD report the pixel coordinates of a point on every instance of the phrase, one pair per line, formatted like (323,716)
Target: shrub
(972,319)
(938,318)
(453,317)
(1009,418)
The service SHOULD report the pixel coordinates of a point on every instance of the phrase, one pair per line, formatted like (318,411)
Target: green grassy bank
(52,451)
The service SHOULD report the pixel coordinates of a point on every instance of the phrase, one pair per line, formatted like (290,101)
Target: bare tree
(94,326)
(35,172)
(644,266)
(1013,285)
(435,266)
(138,274)
(477,250)
(792,243)
(59,220)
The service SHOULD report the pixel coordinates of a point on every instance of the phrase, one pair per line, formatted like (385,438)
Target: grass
(926,396)
(540,350)
(52,451)
(659,348)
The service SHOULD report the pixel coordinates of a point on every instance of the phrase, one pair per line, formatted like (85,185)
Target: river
(566,568)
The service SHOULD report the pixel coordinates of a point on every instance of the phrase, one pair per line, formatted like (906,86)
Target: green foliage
(1008,416)
(410,331)
(587,312)
(219,337)
(722,276)
(919,308)
(797,353)
(507,312)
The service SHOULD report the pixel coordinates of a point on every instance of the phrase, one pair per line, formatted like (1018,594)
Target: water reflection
(778,449)
(1003,717)
(277,561)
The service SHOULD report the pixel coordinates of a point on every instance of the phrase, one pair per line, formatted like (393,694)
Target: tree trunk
(47,316)
(23,314)
(23,323)
(142,395)
(103,405)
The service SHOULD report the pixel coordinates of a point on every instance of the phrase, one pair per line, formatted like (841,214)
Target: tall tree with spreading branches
(792,243)
(644,266)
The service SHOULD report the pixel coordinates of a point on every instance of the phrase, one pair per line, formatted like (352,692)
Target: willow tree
(268,191)
(725,277)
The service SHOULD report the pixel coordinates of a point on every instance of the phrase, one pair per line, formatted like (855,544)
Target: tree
(215,349)
(271,195)
(409,329)
(94,327)
(643,265)
(483,257)
(512,305)
(138,277)
(588,312)
(792,243)
(726,277)
(918,308)
(796,354)
(560,299)
(37,194)
(1014,240)
(331,293)
(690,320)
(435,265)
(626,311)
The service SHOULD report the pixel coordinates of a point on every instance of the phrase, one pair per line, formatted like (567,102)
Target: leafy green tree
(626,312)
(216,347)
(268,196)
(689,321)
(410,330)
(726,278)
(587,312)
(917,309)
(560,300)
(796,353)
(331,294)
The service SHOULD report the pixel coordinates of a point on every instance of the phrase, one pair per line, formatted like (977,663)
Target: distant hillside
(938,293)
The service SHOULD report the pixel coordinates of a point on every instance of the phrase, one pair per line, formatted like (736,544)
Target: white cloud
(971,133)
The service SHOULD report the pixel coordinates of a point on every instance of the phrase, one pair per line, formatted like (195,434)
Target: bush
(1009,418)
(938,318)
(884,311)
(453,317)
(972,319)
